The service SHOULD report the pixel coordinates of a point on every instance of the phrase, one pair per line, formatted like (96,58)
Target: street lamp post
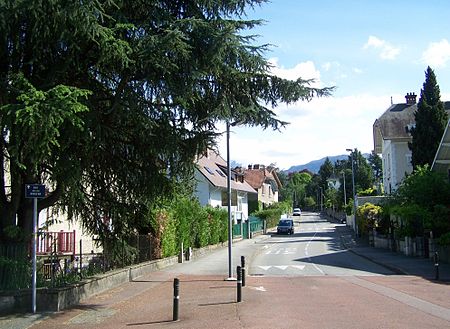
(230,232)
(345,192)
(354,194)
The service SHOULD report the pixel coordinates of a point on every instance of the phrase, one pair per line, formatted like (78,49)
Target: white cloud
(387,51)
(357,70)
(322,127)
(437,54)
(305,70)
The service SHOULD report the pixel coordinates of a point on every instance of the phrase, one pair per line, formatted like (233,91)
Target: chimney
(410,98)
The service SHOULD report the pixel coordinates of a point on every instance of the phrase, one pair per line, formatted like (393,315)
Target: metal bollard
(243,270)
(436,265)
(239,284)
(176,298)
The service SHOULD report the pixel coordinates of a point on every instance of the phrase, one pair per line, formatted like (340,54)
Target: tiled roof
(213,167)
(254,177)
(257,177)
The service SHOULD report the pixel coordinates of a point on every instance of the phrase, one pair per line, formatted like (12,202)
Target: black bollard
(176,298)
(243,270)
(436,265)
(239,284)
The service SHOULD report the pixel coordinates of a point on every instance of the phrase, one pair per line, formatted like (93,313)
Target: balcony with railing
(59,243)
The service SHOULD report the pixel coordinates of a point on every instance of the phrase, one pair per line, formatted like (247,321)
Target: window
(225,198)
(220,172)
(209,170)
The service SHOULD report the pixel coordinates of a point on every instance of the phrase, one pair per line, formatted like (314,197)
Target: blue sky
(371,51)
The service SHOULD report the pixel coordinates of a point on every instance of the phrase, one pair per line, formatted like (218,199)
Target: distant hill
(315,165)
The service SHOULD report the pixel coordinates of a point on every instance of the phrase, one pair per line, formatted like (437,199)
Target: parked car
(285,226)
(297,212)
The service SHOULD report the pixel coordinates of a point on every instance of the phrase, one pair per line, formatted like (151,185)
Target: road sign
(34,191)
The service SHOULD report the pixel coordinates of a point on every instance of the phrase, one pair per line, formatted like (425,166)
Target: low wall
(57,299)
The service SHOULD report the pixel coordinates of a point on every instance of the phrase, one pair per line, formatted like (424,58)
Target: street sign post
(34,191)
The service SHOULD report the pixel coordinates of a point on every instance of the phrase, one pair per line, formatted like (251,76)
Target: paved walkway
(398,263)
(208,301)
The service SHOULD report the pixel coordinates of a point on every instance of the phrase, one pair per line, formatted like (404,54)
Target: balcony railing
(57,242)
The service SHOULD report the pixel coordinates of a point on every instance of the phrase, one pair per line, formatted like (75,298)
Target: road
(306,280)
(314,249)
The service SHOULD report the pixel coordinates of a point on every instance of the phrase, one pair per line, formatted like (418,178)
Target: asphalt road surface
(314,249)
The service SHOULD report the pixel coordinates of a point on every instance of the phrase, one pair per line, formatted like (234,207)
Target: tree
(422,202)
(108,103)
(363,171)
(325,172)
(294,188)
(430,119)
(377,166)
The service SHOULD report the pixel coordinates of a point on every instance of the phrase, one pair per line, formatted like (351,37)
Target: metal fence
(15,268)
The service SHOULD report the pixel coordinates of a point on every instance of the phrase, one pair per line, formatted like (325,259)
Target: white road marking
(281,267)
(260,288)
(306,250)
(284,251)
(300,267)
(265,268)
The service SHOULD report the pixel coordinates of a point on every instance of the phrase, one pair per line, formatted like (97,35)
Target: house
(265,181)
(441,162)
(391,135)
(211,177)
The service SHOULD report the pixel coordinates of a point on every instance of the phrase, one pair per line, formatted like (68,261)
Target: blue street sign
(34,191)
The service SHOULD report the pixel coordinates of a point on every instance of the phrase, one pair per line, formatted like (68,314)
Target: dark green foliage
(422,202)
(182,220)
(325,172)
(377,166)
(272,214)
(430,119)
(293,188)
(108,102)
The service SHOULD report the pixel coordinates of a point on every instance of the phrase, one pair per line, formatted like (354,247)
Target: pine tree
(109,102)
(431,119)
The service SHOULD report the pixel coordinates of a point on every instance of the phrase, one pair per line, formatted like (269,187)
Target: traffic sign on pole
(34,191)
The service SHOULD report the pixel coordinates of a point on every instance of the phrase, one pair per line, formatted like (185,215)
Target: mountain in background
(315,165)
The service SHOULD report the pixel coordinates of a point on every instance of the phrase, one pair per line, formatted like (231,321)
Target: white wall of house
(207,194)
(396,164)
(215,196)
(59,222)
(266,195)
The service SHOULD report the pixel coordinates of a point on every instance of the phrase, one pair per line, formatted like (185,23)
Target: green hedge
(184,220)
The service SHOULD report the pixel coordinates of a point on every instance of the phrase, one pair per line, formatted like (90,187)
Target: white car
(297,212)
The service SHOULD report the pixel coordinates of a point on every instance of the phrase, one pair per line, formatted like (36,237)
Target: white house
(391,134)
(211,177)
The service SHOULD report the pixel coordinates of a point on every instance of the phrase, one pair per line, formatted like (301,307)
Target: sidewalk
(396,262)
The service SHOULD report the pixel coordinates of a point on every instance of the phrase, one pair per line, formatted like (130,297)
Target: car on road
(297,212)
(285,226)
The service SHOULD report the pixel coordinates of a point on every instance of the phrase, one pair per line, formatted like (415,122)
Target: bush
(368,216)
(270,216)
